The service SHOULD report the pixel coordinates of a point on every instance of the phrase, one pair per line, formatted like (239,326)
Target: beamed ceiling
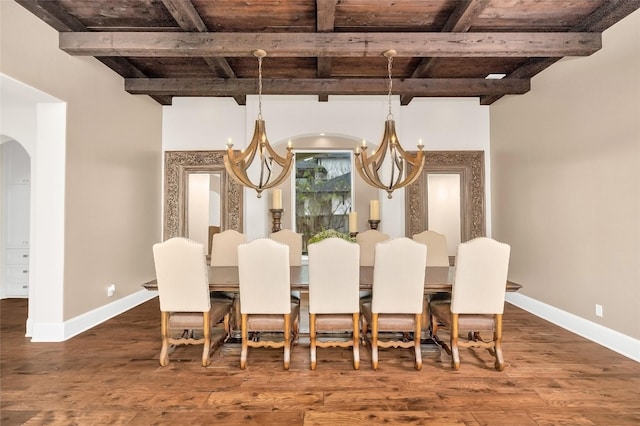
(166,48)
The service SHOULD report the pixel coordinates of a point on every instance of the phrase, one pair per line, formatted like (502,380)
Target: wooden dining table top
(437,279)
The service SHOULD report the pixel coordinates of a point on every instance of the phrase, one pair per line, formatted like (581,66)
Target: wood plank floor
(110,375)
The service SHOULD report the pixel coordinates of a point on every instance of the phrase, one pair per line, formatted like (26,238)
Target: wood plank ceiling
(166,48)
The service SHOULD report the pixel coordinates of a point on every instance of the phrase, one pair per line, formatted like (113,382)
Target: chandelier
(395,173)
(237,164)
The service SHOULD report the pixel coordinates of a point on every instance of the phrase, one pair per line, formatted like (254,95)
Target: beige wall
(566,182)
(113,163)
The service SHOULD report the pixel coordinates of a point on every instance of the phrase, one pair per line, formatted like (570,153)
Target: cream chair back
(263,272)
(294,241)
(437,253)
(398,277)
(479,284)
(367,241)
(181,272)
(224,247)
(334,276)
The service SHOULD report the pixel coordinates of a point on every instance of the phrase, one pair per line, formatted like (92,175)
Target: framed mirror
(433,201)
(200,198)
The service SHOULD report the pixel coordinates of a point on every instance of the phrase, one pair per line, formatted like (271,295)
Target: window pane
(323,192)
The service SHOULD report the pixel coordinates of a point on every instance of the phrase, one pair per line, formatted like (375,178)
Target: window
(323,192)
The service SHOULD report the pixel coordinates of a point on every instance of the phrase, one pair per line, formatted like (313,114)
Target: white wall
(97,168)
(566,173)
(442,124)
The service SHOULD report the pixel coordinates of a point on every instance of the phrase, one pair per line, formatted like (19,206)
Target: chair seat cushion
(271,322)
(476,322)
(390,322)
(334,322)
(185,320)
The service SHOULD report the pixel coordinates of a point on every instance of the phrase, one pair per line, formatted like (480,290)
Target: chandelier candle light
(369,167)
(353,224)
(374,214)
(237,164)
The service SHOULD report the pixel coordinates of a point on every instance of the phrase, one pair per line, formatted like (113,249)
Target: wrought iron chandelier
(237,164)
(398,175)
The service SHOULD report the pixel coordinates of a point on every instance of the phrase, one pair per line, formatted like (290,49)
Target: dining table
(437,279)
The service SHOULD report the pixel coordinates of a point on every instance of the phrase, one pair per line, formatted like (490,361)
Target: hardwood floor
(110,375)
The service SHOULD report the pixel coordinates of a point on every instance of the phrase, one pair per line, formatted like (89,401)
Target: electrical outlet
(111,289)
(598,310)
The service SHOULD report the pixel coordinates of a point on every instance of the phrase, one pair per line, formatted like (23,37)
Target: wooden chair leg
(356,341)
(227,326)
(364,329)
(245,345)
(206,329)
(416,342)
(287,340)
(434,325)
(374,341)
(312,339)
(455,361)
(497,340)
(164,331)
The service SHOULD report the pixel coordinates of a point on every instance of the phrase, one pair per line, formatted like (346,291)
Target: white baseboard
(59,332)
(614,340)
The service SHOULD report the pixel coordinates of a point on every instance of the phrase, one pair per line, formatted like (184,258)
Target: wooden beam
(464,15)
(459,22)
(58,18)
(190,20)
(53,14)
(527,70)
(127,70)
(326,15)
(608,14)
(346,86)
(325,21)
(158,44)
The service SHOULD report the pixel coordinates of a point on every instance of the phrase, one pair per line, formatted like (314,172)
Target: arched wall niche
(469,165)
(363,193)
(178,166)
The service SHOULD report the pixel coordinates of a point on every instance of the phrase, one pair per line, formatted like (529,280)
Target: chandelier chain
(260,87)
(389,66)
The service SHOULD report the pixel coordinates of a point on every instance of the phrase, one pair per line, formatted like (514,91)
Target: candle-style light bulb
(420,144)
(364,144)
(289,144)
(229,143)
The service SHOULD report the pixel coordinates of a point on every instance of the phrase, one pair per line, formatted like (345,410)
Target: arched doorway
(38,121)
(15,193)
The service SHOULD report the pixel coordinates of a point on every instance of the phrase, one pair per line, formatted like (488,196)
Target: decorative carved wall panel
(470,166)
(178,166)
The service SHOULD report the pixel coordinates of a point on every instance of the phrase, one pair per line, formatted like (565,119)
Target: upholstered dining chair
(224,252)
(398,295)
(367,241)
(294,241)
(265,300)
(334,303)
(224,247)
(477,299)
(437,255)
(183,289)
